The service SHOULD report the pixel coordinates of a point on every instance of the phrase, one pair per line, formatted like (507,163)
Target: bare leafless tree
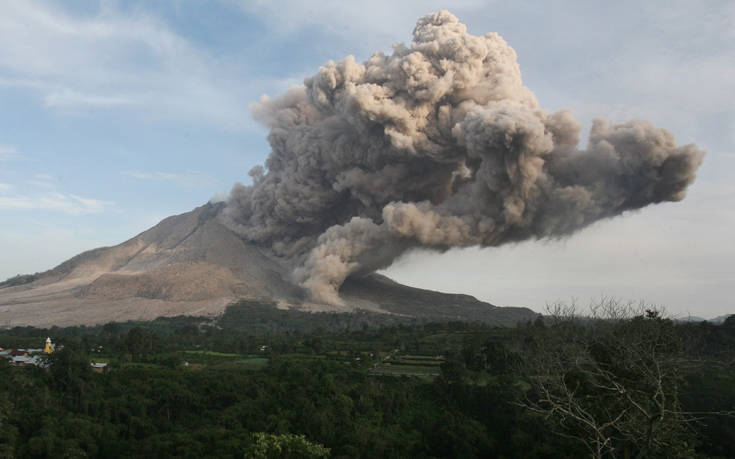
(609,379)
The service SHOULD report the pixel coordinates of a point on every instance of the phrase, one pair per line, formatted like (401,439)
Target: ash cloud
(437,145)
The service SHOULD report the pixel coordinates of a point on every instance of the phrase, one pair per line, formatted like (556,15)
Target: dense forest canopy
(260,382)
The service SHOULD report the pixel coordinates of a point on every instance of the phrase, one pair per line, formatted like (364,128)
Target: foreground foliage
(637,385)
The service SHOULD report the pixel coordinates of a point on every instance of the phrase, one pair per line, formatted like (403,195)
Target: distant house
(20,360)
(23,360)
(32,356)
(22,357)
(98,367)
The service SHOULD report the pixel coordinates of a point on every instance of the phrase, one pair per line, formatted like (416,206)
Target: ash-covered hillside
(192,264)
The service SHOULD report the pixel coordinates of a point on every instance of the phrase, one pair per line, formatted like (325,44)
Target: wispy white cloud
(69,204)
(659,77)
(676,70)
(383,20)
(8,153)
(42,181)
(5,186)
(67,98)
(185,179)
(115,60)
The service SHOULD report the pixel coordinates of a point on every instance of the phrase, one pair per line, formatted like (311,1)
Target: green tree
(140,342)
(70,369)
(8,432)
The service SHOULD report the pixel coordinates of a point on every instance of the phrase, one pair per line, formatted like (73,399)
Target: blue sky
(117,114)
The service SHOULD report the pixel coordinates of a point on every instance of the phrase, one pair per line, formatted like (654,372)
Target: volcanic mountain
(192,264)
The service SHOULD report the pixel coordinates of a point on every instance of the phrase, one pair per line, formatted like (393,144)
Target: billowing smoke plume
(438,145)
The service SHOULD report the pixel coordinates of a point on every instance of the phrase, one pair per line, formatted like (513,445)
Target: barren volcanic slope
(192,264)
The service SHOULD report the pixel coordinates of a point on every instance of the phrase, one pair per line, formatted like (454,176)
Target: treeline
(637,385)
(19,279)
(244,317)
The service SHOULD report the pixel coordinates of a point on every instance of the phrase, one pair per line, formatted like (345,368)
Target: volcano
(191,264)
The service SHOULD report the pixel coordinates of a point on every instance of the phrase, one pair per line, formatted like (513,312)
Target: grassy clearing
(209,353)
(255,363)
(404,370)
(426,366)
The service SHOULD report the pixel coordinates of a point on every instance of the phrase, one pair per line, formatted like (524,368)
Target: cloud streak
(187,179)
(8,153)
(69,204)
(113,60)
(346,20)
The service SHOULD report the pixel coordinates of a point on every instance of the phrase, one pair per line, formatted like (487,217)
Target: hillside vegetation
(347,385)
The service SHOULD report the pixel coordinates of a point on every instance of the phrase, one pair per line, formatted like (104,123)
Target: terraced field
(409,365)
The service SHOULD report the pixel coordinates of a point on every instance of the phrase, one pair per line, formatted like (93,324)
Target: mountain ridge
(192,264)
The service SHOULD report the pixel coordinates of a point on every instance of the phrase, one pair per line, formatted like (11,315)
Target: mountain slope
(192,264)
